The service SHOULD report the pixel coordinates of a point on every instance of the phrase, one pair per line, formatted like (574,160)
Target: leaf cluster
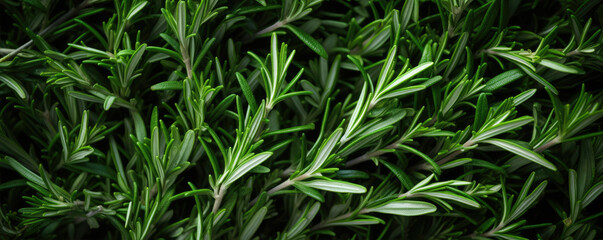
(301,119)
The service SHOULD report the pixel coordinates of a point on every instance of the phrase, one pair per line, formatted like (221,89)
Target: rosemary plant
(301,119)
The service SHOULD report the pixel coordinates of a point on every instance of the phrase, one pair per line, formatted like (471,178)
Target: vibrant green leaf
(311,192)
(503,79)
(14,85)
(405,208)
(246,166)
(334,186)
(253,224)
(559,67)
(522,151)
(308,40)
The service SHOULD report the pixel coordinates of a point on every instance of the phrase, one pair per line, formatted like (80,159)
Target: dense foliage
(301,119)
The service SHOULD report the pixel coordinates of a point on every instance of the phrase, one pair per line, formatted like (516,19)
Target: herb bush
(301,119)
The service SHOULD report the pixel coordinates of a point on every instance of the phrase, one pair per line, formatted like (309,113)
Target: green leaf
(117,163)
(403,91)
(83,134)
(580,122)
(521,207)
(85,97)
(592,194)
(360,221)
(434,165)
(520,61)
(135,9)
(421,187)
(401,175)
(308,40)
(573,188)
(386,70)
(509,236)
(352,174)
(357,61)
(539,79)
(80,155)
(459,49)
(139,126)
(456,163)
(304,220)
(407,76)
(481,111)
(14,85)
(186,147)
(133,63)
(503,79)
(453,197)
(96,169)
(585,136)
(181,22)
(357,116)
(167,85)
(560,67)
(324,151)
(253,224)
(309,126)
(409,9)
(488,20)
(334,186)
(246,166)
(576,28)
(503,127)
(311,192)
(108,102)
(521,151)
(13,184)
(405,208)
(165,51)
(251,131)
(190,193)
(28,174)
(522,97)
(246,89)
(452,98)
(93,52)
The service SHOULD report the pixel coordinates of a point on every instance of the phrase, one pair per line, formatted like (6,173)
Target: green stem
(218,198)
(272,27)
(285,184)
(187,61)
(494,230)
(549,144)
